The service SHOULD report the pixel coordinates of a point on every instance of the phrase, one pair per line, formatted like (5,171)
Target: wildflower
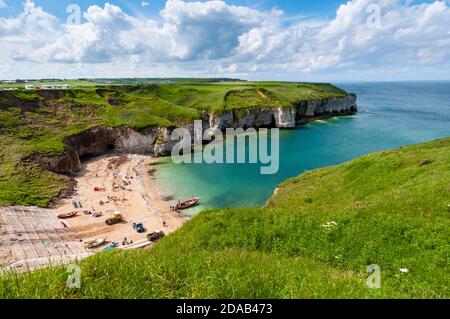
(404,270)
(330,224)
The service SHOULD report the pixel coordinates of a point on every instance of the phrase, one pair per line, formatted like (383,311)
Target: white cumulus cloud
(216,37)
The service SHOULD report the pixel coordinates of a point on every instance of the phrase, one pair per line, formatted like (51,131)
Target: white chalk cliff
(157,142)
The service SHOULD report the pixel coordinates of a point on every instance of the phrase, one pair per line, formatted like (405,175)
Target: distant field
(36,122)
(124,81)
(72,83)
(314,239)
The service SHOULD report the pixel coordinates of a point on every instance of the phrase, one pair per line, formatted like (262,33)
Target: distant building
(47,87)
(56,87)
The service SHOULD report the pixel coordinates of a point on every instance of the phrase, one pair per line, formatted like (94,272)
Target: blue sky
(317,8)
(327,40)
(58,8)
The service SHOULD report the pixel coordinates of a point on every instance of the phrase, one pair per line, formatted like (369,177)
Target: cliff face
(67,163)
(336,106)
(285,117)
(157,142)
(100,140)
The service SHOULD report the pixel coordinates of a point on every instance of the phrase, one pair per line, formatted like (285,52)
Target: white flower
(404,270)
(330,224)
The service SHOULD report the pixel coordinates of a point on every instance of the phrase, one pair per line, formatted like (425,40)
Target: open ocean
(391,114)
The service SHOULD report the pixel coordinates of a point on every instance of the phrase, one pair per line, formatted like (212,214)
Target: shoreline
(35,237)
(127,187)
(143,199)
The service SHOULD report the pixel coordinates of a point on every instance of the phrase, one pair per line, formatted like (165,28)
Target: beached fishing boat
(187,204)
(95,243)
(67,215)
(112,246)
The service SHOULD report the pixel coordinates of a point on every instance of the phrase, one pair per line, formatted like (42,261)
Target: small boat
(112,246)
(95,243)
(67,215)
(187,204)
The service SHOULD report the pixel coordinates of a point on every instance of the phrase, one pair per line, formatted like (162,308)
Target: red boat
(67,215)
(187,204)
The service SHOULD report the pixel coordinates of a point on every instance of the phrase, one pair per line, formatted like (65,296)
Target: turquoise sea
(390,115)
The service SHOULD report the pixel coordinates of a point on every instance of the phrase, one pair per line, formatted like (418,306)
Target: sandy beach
(126,185)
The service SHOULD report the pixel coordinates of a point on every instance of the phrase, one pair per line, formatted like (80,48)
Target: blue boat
(112,246)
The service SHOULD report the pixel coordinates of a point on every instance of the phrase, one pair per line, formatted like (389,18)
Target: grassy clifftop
(313,239)
(37,122)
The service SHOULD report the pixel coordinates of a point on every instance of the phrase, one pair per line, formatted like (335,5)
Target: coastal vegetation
(38,122)
(80,83)
(314,238)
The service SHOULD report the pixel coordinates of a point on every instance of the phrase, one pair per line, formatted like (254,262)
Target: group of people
(93,214)
(101,203)
(126,242)
(77,204)
(175,207)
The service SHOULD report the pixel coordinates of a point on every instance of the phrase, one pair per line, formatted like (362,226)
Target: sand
(140,200)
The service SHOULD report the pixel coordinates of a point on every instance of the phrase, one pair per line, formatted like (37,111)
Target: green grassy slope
(37,122)
(391,209)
